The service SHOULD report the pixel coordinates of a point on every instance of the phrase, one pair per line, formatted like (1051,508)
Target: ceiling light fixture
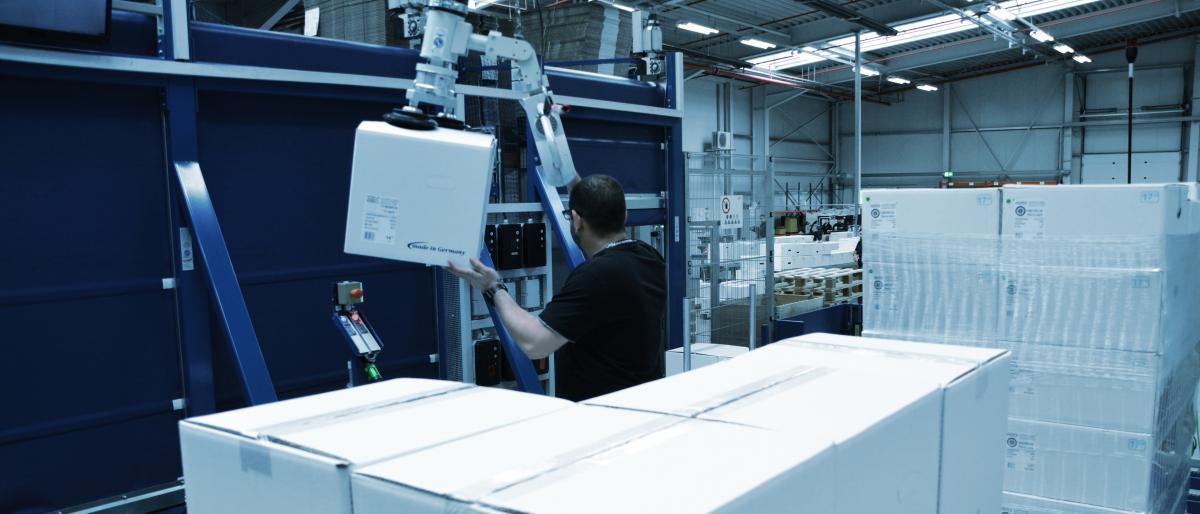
(1082,59)
(936,26)
(1041,35)
(622,7)
(1063,49)
(926,87)
(869,72)
(697,28)
(898,80)
(758,44)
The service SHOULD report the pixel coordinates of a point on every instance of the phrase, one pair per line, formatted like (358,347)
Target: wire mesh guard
(728,232)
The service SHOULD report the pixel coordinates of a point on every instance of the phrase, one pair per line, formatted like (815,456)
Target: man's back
(612,309)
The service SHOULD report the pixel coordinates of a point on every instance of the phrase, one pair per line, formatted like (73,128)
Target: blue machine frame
(101,230)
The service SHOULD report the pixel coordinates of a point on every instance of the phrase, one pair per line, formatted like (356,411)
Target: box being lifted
(418,195)
(297,455)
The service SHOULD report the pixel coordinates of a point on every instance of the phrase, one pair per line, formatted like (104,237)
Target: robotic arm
(433,97)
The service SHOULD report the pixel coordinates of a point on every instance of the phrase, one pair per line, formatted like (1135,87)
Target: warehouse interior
(567,256)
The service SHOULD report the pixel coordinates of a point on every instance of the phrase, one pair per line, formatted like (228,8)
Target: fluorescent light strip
(698,28)
(1063,49)
(926,87)
(898,80)
(758,44)
(868,72)
(1082,59)
(1041,35)
(622,7)
(919,30)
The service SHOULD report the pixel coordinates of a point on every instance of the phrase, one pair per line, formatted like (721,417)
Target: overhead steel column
(946,120)
(1194,127)
(1067,150)
(857,115)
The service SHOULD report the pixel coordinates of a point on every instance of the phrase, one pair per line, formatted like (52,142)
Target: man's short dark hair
(600,201)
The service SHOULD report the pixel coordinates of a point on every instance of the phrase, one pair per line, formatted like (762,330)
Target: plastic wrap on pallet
(927,302)
(1106,389)
(930,248)
(1125,471)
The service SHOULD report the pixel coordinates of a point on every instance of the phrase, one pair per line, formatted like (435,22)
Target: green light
(372,372)
(948,174)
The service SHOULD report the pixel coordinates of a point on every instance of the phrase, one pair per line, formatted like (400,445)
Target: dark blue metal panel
(86,240)
(278,169)
(223,284)
(235,45)
(604,87)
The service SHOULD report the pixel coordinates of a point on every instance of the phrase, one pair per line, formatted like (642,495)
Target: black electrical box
(488,366)
(534,236)
(509,255)
(491,242)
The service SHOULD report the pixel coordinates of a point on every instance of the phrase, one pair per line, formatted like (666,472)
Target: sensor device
(418,195)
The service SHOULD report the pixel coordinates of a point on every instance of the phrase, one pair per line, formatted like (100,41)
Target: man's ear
(576,220)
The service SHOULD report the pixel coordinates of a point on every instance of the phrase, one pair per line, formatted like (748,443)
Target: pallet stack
(817,287)
(1093,290)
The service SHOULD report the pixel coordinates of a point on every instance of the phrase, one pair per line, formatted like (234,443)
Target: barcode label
(369,235)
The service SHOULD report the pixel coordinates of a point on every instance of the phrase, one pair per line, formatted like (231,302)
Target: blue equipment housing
(114,312)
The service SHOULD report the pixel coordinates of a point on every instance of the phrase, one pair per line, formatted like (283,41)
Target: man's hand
(479,276)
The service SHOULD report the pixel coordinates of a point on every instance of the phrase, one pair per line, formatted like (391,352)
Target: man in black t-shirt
(607,322)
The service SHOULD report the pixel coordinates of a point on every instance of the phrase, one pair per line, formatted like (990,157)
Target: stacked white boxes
(1095,297)
(947,405)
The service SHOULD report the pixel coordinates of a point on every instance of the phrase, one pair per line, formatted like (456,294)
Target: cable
(541,21)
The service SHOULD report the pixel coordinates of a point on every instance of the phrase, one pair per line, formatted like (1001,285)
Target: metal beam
(1193,152)
(279,14)
(1108,19)
(854,17)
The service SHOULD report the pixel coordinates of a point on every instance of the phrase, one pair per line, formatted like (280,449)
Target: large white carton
(1015,503)
(931,211)
(786,385)
(1099,266)
(418,195)
(1115,390)
(600,460)
(296,455)
(943,303)
(703,355)
(1106,468)
(974,402)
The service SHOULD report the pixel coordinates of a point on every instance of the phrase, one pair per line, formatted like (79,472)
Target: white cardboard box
(1015,503)
(931,211)
(702,355)
(587,460)
(975,407)
(1106,389)
(418,195)
(815,380)
(295,456)
(943,303)
(1035,212)
(1105,468)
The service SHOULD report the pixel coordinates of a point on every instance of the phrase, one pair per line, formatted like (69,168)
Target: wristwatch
(489,294)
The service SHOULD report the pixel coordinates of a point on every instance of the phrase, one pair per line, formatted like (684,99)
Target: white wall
(902,142)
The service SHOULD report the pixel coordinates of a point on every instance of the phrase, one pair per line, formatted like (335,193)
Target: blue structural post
(195,333)
(527,378)
(555,214)
(226,291)
(676,217)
